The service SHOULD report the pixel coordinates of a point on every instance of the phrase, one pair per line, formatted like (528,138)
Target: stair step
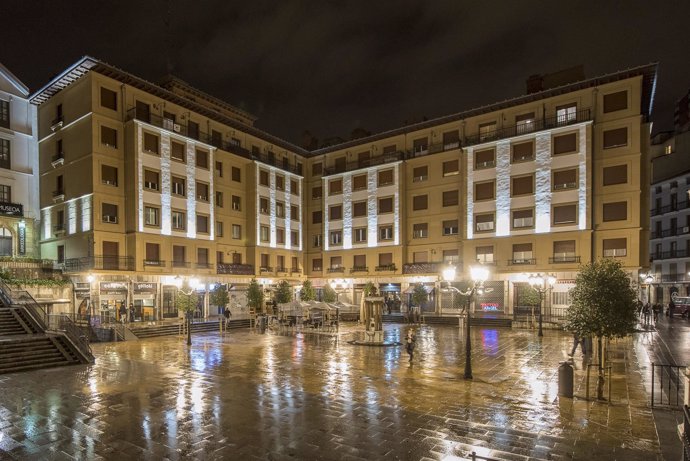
(33,366)
(23,357)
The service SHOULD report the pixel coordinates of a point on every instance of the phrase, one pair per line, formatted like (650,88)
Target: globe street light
(541,283)
(648,278)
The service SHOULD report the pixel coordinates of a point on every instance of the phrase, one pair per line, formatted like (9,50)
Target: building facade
(142,183)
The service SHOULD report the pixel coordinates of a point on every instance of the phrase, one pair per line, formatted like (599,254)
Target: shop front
(144,299)
(492,301)
(112,296)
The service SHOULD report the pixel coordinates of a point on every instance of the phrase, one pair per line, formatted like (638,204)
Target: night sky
(329,67)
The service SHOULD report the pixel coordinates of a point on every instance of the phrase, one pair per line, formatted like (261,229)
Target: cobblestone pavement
(299,395)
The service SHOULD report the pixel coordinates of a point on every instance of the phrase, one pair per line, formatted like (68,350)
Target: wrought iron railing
(372,161)
(522,262)
(564,259)
(336,270)
(386,267)
(359,269)
(109,263)
(671,387)
(235,269)
(422,268)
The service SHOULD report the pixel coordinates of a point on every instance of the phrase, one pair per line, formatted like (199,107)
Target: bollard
(565,380)
(220,322)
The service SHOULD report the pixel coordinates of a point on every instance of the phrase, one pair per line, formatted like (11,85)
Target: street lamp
(479,275)
(648,278)
(339,286)
(541,283)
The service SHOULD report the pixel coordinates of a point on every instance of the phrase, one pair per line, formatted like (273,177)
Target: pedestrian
(123,313)
(410,344)
(227,314)
(131,312)
(405,313)
(671,308)
(640,305)
(577,340)
(645,313)
(656,309)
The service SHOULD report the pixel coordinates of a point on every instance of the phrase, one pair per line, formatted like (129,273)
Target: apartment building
(142,183)
(19,212)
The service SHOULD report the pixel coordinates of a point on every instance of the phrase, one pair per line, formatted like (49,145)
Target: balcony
(582,115)
(295,270)
(57,123)
(58,195)
(107,263)
(178,263)
(264,269)
(422,268)
(564,259)
(678,253)
(355,269)
(373,161)
(58,159)
(522,262)
(336,270)
(235,269)
(281,270)
(204,265)
(154,263)
(59,229)
(386,267)
(271,160)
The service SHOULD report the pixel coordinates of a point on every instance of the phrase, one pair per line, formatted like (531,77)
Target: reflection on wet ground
(302,395)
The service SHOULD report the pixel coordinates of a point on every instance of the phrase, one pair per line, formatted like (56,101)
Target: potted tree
(255,296)
(219,297)
(185,301)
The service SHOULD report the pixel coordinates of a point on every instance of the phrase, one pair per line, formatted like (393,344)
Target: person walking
(131,312)
(656,309)
(577,340)
(123,314)
(410,343)
(645,313)
(671,309)
(227,314)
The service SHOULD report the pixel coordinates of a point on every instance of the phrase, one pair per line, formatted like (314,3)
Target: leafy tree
(307,293)
(419,295)
(255,295)
(603,306)
(329,294)
(529,297)
(185,301)
(370,288)
(283,293)
(219,296)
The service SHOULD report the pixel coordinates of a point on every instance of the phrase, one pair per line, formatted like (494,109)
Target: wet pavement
(303,395)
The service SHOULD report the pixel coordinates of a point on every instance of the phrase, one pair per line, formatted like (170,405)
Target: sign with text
(114,288)
(11,209)
(22,240)
(145,287)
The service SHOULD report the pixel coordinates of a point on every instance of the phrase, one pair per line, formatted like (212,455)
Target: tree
(370,288)
(283,293)
(255,295)
(219,296)
(307,293)
(603,305)
(530,297)
(419,295)
(185,301)
(329,294)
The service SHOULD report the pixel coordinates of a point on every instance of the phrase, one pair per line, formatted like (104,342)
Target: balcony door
(111,255)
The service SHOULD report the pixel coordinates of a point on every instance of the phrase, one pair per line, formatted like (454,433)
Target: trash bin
(565,380)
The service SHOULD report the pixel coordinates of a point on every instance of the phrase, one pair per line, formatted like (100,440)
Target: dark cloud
(331,66)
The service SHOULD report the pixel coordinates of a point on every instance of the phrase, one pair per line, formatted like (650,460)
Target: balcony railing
(386,267)
(57,159)
(522,262)
(282,269)
(295,270)
(58,228)
(564,259)
(263,269)
(154,263)
(185,264)
(235,269)
(106,263)
(359,269)
(373,161)
(204,265)
(58,194)
(582,115)
(679,253)
(57,123)
(336,270)
(422,268)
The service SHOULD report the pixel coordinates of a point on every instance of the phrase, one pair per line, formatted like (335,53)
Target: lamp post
(479,275)
(648,278)
(541,283)
(339,286)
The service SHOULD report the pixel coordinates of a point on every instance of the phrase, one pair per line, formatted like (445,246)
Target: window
(219,228)
(109,213)
(420,145)
(294,238)
(524,123)
(202,159)
(263,205)
(335,187)
(336,237)
(316,241)
(294,187)
(202,191)
(363,159)
(565,214)
(280,182)
(615,211)
(485,159)
(177,151)
(61,254)
(151,216)
(236,231)
(564,251)
(109,137)
(451,140)
(193,130)
(360,234)
(386,205)
(151,180)
(4,113)
(615,138)
(219,199)
(317,169)
(5,194)
(450,198)
(566,114)
(179,220)
(451,167)
(316,217)
(153,252)
(522,152)
(565,144)
(280,209)
(151,143)
(522,253)
(216,138)
(420,202)
(280,236)
(386,232)
(565,179)
(485,254)
(265,261)
(336,262)
(236,174)
(451,257)
(617,174)
(450,227)
(615,248)
(179,186)
(202,257)
(219,169)
(5,153)
(359,209)
(522,185)
(108,99)
(615,101)
(317,264)
(420,173)
(484,222)
(202,224)
(487,131)
(359,262)
(420,230)
(523,219)
(294,212)
(340,164)
(359,182)
(385,178)
(179,255)
(420,257)
(484,191)
(109,175)
(335,212)
(316,192)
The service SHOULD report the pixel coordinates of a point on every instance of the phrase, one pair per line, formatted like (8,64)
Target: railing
(235,269)
(674,278)
(58,193)
(271,160)
(475,457)
(62,323)
(537,125)
(564,259)
(57,121)
(422,268)
(336,270)
(108,263)
(372,161)
(385,267)
(265,269)
(681,253)
(185,264)
(282,269)
(27,263)
(57,157)
(203,265)
(522,262)
(359,269)
(295,270)
(672,391)
(154,263)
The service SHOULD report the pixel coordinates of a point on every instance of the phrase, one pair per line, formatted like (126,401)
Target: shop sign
(489,307)
(82,286)
(145,287)
(11,209)
(114,288)
(22,240)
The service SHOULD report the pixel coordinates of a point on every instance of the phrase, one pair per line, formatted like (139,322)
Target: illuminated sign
(11,209)
(489,307)
(145,287)
(113,288)
(21,230)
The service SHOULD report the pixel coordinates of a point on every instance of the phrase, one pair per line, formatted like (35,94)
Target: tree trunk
(600,378)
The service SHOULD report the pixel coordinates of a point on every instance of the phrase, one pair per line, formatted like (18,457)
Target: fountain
(372,318)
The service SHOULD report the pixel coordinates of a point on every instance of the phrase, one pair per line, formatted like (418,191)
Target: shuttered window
(565,179)
(484,191)
(485,159)
(615,247)
(615,101)
(359,209)
(522,185)
(385,177)
(335,187)
(565,214)
(616,138)
(360,261)
(617,174)
(451,167)
(615,211)
(523,218)
(523,152)
(335,212)
(359,182)
(484,222)
(421,173)
(386,205)
(385,259)
(450,198)
(564,248)
(419,202)
(565,143)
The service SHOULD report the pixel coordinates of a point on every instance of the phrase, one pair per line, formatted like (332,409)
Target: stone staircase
(32,352)
(453,320)
(169,329)
(15,322)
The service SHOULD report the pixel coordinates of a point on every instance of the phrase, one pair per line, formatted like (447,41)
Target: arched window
(5,242)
